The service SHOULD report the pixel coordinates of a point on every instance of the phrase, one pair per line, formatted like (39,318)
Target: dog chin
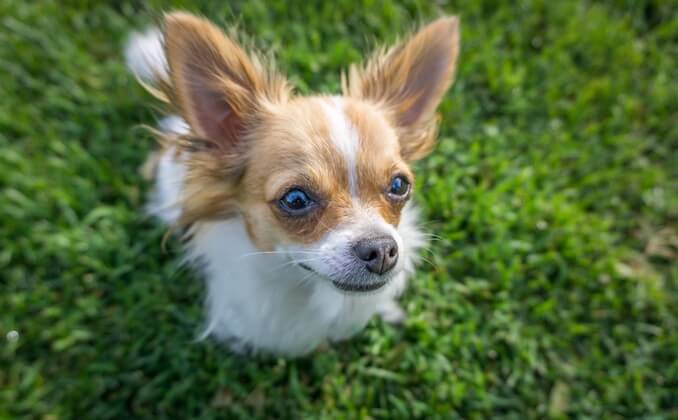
(374,285)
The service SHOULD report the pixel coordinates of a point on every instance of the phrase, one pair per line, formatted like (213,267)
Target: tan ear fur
(219,90)
(216,84)
(409,80)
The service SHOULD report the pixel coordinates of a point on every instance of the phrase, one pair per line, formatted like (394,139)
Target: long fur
(264,300)
(246,286)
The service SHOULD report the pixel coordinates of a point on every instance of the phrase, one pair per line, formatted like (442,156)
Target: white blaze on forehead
(344,136)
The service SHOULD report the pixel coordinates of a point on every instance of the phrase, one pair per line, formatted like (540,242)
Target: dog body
(261,300)
(296,208)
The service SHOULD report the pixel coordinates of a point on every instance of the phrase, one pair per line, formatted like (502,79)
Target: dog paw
(322,347)
(392,313)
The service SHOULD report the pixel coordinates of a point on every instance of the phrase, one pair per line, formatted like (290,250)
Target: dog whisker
(431,263)
(292,262)
(284,253)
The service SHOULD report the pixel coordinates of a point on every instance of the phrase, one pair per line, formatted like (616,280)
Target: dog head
(323,179)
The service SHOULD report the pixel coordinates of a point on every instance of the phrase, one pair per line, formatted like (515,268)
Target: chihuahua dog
(296,209)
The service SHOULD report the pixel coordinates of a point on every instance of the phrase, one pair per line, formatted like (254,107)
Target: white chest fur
(261,301)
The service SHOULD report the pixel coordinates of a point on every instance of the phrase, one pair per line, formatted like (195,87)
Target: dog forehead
(359,130)
(341,150)
(329,134)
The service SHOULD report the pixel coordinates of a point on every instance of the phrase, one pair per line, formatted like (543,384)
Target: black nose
(380,254)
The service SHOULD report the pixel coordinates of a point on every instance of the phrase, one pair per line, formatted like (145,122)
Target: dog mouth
(350,287)
(364,287)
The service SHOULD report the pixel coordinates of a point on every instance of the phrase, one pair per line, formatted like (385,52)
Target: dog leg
(391,312)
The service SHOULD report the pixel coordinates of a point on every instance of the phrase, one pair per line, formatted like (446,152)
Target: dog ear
(216,84)
(410,80)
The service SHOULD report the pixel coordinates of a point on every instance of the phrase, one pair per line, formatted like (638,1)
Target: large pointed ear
(215,84)
(410,80)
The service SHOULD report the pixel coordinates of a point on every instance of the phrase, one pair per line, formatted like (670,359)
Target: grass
(552,292)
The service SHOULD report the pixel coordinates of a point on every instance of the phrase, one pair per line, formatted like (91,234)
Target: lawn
(552,291)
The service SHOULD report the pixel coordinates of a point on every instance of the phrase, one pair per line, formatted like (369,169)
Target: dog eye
(296,202)
(399,188)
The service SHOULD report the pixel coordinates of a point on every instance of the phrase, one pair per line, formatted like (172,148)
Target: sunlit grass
(552,289)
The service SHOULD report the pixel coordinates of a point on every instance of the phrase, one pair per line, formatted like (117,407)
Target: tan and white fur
(295,208)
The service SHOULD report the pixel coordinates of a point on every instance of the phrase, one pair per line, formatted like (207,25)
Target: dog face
(322,179)
(326,184)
